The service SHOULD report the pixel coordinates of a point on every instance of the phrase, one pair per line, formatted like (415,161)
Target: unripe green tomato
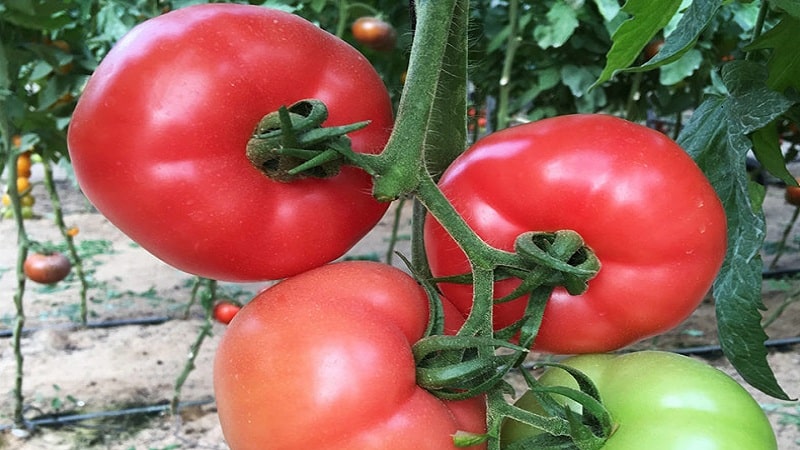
(661,401)
(27,212)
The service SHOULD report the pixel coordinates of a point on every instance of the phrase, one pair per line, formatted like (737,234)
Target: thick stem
(446,137)
(401,160)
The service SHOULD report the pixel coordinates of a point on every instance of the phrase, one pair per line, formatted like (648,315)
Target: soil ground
(105,370)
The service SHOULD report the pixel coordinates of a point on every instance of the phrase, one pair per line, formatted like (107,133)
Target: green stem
(784,238)
(206,328)
(399,163)
(505,77)
(341,23)
(446,137)
(758,27)
(398,215)
(481,254)
(23,243)
(58,218)
(636,82)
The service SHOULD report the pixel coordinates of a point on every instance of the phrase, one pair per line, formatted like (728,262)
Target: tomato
(662,401)
(158,139)
(374,33)
(225,310)
(638,200)
(23,185)
(792,195)
(27,200)
(46,268)
(652,48)
(24,165)
(323,361)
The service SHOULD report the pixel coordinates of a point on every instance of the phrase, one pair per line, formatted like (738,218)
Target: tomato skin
(225,311)
(330,351)
(158,141)
(792,195)
(46,268)
(374,33)
(663,401)
(639,201)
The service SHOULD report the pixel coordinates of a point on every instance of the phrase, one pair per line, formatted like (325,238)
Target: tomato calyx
(291,143)
(466,365)
(588,428)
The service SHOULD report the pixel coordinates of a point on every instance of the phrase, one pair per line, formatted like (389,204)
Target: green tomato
(661,401)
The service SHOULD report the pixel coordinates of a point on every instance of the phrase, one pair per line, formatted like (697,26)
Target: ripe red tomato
(660,401)
(158,141)
(46,268)
(374,33)
(652,48)
(639,201)
(792,195)
(225,310)
(323,361)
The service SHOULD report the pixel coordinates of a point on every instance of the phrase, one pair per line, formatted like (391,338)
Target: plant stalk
(58,218)
(505,78)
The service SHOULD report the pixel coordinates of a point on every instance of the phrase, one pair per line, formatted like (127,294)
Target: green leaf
(608,8)
(683,68)
(766,148)
(647,17)
(716,137)
(579,81)
(784,63)
(790,6)
(692,23)
(559,24)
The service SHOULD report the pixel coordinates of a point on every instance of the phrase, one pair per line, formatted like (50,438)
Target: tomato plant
(660,401)
(47,268)
(635,197)
(225,311)
(374,33)
(323,360)
(158,141)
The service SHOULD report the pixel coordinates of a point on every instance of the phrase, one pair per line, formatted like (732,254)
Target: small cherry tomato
(374,33)
(72,231)
(792,195)
(653,48)
(27,200)
(224,311)
(24,165)
(23,184)
(47,268)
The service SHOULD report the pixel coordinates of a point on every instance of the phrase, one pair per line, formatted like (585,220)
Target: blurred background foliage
(50,48)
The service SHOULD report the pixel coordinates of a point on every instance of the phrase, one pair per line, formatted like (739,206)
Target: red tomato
(639,201)
(792,195)
(224,311)
(158,141)
(374,33)
(46,268)
(323,361)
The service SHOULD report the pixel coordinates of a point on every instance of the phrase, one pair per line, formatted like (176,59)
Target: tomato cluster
(24,187)
(325,358)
